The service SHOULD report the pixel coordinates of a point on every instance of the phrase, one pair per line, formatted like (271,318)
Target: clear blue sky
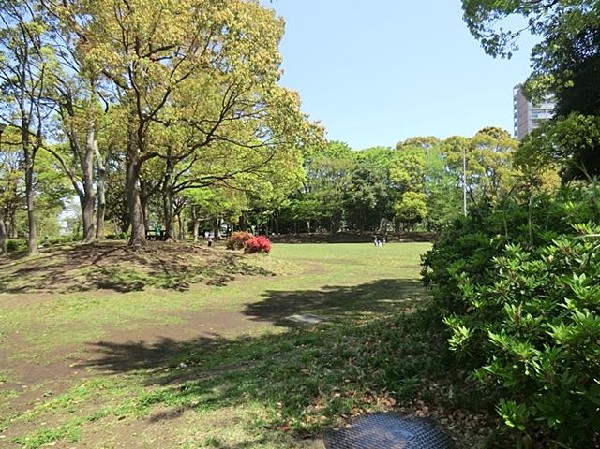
(377,72)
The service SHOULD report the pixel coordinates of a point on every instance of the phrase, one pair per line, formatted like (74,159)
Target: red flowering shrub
(238,240)
(258,245)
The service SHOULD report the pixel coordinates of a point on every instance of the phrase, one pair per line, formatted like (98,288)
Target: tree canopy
(182,94)
(566,65)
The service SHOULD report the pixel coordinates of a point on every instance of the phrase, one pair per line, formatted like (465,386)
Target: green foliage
(570,143)
(565,62)
(540,314)
(412,207)
(366,200)
(518,287)
(15,245)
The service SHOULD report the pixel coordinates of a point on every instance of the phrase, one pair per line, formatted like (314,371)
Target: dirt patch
(118,352)
(144,347)
(32,379)
(152,346)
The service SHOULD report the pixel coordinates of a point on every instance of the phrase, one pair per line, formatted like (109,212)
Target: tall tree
(11,185)
(366,200)
(328,172)
(483,164)
(76,96)
(217,61)
(408,174)
(491,162)
(26,72)
(569,146)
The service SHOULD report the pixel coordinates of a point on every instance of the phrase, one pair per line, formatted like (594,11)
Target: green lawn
(268,383)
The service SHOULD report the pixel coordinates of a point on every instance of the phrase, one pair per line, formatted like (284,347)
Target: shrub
(238,240)
(121,236)
(538,324)
(15,245)
(517,285)
(469,245)
(62,240)
(259,244)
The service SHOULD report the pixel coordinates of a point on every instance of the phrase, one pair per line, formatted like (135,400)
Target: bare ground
(111,267)
(104,269)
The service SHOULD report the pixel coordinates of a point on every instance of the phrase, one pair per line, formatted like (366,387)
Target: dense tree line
(170,114)
(418,184)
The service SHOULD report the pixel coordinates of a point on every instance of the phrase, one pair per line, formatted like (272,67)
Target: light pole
(464,161)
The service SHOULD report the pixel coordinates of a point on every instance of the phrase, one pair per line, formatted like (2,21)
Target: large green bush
(468,246)
(519,288)
(15,245)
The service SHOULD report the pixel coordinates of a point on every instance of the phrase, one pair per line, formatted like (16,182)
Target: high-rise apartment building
(528,116)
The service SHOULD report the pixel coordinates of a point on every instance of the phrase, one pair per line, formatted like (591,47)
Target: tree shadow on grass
(337,302)
(115,266)
(307,377)
(337,305)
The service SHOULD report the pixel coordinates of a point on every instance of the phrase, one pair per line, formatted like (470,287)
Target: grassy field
(217,363)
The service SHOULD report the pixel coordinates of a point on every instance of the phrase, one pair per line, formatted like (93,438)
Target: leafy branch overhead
(565,62)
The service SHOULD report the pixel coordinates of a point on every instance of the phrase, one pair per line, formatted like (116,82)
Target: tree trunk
(336,219)
(88,202)
(101,194)
(135,147)
(196,230)
(11,222)
(181,224)
(168,200)
(3,236)
(144,200)
(134,201)
(29,191)
(243,222)
(215,226)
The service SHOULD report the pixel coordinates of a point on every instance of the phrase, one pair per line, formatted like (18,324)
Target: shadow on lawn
(305,378)
(114,266)
(336,302)
(336,305)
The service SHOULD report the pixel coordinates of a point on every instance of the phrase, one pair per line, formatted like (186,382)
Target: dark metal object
(388,431)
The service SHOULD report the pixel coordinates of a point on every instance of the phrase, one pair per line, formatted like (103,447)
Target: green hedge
(16,245)
(518,286)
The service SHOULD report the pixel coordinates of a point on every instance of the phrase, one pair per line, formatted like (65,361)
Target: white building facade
(528,116)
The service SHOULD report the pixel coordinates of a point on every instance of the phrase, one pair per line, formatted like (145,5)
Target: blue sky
(378,72)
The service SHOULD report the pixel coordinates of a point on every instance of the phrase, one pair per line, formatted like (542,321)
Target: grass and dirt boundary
(184,346)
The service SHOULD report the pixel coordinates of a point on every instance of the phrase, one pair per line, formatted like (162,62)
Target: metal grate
(388,431)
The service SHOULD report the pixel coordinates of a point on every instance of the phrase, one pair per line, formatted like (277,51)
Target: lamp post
(464,161)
